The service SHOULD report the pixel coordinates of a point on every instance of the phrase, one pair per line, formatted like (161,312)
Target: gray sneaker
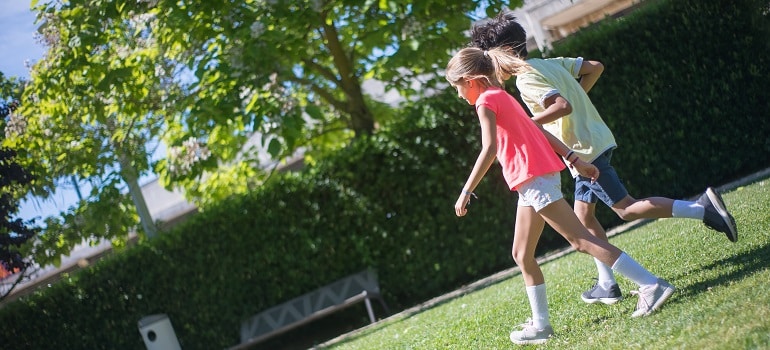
(598,294)
(530,335)
(652,297)
(716,215)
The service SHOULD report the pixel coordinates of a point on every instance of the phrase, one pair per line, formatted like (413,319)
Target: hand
(461,203)
(586,169)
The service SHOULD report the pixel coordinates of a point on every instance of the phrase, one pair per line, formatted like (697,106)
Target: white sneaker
(530,335)
(652,297)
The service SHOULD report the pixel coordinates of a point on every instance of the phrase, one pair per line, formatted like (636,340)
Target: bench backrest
(302,307)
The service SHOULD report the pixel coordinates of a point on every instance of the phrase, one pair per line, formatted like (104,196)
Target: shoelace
(641,303)
(527,323)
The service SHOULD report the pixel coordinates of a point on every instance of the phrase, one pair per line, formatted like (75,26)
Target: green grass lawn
(722,299)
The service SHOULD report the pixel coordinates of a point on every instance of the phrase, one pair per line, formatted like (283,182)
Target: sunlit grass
(722,299)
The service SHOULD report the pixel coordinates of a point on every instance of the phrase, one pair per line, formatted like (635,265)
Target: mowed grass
(722,299)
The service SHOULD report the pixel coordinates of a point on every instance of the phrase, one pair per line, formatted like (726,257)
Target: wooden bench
(362,286)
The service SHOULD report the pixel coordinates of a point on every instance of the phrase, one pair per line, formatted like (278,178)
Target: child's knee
(584,212)
(623,209)
(626,215)
(580,248)
(521,257)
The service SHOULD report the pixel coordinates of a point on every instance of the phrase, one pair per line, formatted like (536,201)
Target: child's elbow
(592,67)
(564,106)
(599,70)
(490,150)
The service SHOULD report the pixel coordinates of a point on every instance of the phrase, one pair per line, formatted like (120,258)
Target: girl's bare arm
(487,120)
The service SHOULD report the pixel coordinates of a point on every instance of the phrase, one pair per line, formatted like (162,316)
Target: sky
(17,45)
(17,40)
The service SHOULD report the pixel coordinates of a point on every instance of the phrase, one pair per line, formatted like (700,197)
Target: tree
(14,232)
(293,70)
(100,96)
(202,78)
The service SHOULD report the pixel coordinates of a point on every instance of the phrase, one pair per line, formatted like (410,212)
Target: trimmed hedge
(674,70)
(684,91)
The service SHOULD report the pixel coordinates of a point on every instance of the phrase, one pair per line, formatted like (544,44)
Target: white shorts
(540,191)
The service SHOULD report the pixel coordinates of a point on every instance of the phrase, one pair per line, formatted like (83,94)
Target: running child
(530,167)
(556,92)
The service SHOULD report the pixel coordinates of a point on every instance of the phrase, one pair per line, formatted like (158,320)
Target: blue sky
(17,41)
(17,45)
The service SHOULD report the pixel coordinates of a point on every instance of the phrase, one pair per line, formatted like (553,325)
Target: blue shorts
(607,187)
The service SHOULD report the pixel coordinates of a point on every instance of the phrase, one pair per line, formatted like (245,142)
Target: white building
(548,21)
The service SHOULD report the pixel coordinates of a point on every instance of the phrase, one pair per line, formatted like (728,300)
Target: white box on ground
(157,333)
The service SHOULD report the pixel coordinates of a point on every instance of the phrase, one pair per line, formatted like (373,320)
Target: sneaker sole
(528,342)
(606,301)
(719,205)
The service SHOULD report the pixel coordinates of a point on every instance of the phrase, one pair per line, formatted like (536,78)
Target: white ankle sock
(606,277)
(539,304)
(686,209)
(628,267)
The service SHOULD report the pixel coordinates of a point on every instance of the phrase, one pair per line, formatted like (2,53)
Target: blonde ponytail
(506,63)
(493,66)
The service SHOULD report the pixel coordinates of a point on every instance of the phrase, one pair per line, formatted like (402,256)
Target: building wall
(547,21)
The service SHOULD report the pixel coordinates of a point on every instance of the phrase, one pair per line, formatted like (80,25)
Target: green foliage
(292,71)
(11,88)
(386,201)
(14,232)
(207,80)
(683,91)
(411,174)
(97,98)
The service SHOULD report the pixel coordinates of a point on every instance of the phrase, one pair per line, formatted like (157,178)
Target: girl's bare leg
(653,292)
(560,216)
(529,227)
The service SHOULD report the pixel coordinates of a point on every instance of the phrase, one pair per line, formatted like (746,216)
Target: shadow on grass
(747,262)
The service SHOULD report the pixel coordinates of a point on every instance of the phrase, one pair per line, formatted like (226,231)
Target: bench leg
(369,309)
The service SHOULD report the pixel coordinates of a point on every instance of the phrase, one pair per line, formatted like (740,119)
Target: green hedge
(377,203)
(682,90)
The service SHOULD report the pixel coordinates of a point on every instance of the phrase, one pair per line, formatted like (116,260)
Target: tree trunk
(361,118)
(131,177)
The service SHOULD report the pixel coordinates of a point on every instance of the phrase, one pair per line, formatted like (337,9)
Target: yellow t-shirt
(583,130)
